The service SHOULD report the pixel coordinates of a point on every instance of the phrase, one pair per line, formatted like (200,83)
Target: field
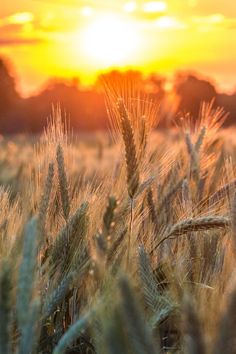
(122,242)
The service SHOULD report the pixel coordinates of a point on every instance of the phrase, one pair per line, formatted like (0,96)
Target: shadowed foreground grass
(119,246)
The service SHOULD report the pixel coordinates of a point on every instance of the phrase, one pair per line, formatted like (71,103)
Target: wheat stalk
(72,334)
(193,337)
(225,341)
(26,277)
(5,307)
(29,330)
(220,193)
(139,333)
(233,218)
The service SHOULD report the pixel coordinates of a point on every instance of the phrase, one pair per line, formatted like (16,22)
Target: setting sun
(109,40)
(82,38)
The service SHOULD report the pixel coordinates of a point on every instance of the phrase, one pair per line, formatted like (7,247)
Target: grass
(122,245)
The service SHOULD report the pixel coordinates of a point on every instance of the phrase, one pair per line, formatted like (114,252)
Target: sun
(110,40)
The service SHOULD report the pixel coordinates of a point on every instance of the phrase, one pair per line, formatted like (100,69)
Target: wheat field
(122,242)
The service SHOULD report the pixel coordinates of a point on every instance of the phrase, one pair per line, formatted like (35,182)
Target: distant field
(119,244)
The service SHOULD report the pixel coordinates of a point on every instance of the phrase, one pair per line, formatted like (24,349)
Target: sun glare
(18,18)
(130,6)
(86,11)
(154,6)
(110,40)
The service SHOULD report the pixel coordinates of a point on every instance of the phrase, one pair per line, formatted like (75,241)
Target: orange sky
(66,38)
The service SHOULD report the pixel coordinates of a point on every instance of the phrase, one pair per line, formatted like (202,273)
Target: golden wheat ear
(63,183)
(132,166)
(44,202)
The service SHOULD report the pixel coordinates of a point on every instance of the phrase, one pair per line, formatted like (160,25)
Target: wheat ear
(200,139)
(132,166)
(44,203)
(152,208)
(194,158)
(63,183)
(193,225)
(109,215)
(64,238)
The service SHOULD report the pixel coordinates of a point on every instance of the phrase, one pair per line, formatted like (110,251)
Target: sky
(81,38)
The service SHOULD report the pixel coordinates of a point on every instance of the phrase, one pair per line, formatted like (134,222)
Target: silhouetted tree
(86,107)
(192,92)
(155,85)
(9,99)
(229,104)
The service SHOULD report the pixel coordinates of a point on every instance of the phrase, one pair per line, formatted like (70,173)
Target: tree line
(86,106)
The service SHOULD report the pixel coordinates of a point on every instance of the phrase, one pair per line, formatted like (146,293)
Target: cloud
(232,24)
(60,2)
(16,25)
(214,21)
(19,18)
(23,28)
(154,7)
(9,29)
(5,42)
(19,29)
(170,22)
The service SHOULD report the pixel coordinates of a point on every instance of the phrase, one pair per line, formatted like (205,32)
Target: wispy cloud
(171,23)
(213,21)
(19,29)
(23,28)
(5,42)
(17,18)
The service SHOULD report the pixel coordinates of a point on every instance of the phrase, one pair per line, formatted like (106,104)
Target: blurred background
(59,51)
